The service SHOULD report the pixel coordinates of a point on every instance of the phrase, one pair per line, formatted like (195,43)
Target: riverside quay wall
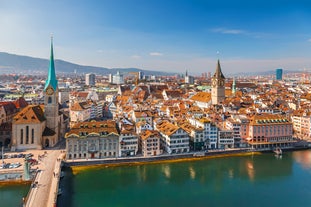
(137,160)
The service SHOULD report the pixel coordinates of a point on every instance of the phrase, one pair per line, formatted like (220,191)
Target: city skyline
(172,36)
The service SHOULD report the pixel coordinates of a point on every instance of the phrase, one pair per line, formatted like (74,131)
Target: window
(27,134)
(22,136)
(50,100)
(32,136)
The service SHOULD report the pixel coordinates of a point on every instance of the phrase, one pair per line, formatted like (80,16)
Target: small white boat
(278,151)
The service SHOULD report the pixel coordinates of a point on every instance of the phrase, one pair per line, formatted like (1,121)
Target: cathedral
(40,126)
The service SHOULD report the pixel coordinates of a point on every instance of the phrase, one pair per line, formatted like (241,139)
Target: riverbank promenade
(43,191)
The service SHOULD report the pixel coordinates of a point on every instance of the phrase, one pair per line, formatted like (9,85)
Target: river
(257,180)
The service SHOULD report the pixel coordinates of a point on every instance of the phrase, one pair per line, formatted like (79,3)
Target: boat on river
(278,151)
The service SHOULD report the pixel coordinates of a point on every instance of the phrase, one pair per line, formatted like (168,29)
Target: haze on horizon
(172,36)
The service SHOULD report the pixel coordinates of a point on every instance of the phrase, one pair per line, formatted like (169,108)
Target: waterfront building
(196,135)
(218,86)
(90,79)
(279,74)
(270,130)
(174,139)
(302,123)
(225,138)
(149,143)
(128,142)
(35,128)
(210,131)
(94,139)
(235,125)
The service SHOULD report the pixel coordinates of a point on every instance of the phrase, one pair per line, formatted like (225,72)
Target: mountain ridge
(26,64)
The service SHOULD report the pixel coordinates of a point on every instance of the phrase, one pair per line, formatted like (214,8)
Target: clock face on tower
(49,91)
(214,82)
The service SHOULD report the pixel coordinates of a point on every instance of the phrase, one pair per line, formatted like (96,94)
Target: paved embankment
(152,159)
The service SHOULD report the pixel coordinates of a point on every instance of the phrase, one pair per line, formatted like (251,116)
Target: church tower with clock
(218,86)
(51,109)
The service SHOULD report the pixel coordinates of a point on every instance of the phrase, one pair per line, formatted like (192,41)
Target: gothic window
(50,100)
(32,136)
(22,136)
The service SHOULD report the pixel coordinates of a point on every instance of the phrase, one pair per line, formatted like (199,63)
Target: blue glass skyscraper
(279,74)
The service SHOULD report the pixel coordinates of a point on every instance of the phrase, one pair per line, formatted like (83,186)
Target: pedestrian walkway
(44,183)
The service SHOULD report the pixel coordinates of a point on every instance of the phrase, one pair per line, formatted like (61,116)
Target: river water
(11,195)
(256,180)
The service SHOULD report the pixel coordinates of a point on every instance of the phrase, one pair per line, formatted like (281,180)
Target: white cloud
(228,31)
(136,56)
(155,54)
(309,40)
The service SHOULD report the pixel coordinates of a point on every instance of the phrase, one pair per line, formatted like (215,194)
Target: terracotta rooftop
(30,114)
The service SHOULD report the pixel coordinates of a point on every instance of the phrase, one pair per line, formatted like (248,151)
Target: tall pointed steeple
(51,80)
(218,74)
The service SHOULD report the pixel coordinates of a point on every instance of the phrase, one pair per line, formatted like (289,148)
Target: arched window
(50,100)
(27,134)
(22,136)
(32,136)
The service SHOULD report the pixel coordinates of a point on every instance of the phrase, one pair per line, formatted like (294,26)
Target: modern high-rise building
(118,78)
(279,74)
(90,79)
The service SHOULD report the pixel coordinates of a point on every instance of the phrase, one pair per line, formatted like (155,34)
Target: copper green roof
(51,75)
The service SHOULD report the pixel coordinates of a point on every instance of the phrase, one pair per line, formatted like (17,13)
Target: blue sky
(167,35)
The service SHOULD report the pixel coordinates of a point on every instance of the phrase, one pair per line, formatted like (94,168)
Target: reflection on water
(218,182)
(250,170)
(167,171)
(192,172)
(303,158)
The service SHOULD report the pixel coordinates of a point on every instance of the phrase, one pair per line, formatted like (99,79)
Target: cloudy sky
(166,35)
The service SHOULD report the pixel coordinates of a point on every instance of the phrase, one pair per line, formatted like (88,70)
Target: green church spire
(51,75)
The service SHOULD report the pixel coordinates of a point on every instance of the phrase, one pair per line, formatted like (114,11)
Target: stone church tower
(218,86)
(51,109)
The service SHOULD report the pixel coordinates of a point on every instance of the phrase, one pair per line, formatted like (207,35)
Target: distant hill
(11,63)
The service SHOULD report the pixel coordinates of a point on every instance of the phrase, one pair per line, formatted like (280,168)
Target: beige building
(92,139)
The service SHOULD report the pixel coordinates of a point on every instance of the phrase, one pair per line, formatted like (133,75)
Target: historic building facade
(93,139)
(37,127)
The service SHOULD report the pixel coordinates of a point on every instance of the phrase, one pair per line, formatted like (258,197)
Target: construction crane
(137,78)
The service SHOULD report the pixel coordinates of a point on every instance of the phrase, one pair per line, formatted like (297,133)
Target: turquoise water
(258,180)
(11,196)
